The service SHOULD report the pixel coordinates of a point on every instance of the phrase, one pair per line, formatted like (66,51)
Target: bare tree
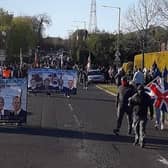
(143,15)
(40,22)
(163,9)
(140,17)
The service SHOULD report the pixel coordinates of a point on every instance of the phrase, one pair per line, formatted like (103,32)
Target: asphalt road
(77,133)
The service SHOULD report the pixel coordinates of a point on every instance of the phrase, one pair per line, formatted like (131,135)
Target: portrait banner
(13,100)
(70,81)
(46,80)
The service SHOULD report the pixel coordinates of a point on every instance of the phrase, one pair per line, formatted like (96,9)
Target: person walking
(118,76)
(140,102)
(85,79)
(124,92)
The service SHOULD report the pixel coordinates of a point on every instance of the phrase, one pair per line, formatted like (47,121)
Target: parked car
(95,75)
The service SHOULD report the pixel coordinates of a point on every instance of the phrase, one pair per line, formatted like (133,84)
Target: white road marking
(74,116)
(163,160)
(76,120)
(70,106)
(83,143)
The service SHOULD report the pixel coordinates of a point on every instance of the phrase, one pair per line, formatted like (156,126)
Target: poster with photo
(52,80)
(13,99)
(35,79)
(70,80)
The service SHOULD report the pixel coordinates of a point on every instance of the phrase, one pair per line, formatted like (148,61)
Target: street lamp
(117,54)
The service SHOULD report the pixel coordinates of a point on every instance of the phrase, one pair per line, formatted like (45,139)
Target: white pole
(21,58)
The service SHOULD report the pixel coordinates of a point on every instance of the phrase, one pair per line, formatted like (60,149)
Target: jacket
(140,102)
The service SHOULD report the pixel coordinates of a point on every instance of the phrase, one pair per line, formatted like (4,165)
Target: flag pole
(21,58)
(89,62)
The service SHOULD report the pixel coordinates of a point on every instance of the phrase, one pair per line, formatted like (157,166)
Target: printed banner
(13,100)
(44,80)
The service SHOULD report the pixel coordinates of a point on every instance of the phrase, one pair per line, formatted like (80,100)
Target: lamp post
(117,53)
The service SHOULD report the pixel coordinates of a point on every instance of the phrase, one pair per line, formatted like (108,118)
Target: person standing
(160,112)
(140,102)
(165,74)
(138,77)
(124,92)
(118,76)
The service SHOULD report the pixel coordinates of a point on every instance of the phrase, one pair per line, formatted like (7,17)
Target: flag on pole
(21,58)
(35,59)
(89,62)
(77,36)
(61,60)
(158,91)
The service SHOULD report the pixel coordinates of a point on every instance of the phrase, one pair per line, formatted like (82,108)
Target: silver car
(95,75)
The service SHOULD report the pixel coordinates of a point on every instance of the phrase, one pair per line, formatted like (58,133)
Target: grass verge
(107,87)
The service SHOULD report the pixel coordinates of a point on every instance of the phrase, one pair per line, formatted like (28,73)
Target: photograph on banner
(60,74)
(70,81)
(13,100)
(35,80)
(50,79)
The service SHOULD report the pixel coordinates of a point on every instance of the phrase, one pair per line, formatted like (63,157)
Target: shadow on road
(63,133)
(75,97)
(93,99)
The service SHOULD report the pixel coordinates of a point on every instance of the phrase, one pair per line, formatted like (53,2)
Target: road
(77,133)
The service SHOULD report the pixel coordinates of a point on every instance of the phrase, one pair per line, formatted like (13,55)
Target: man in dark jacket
(124,92)
(4,114)
(18,114)
(140,102)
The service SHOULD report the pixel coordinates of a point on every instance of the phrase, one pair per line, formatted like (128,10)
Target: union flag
(158,90)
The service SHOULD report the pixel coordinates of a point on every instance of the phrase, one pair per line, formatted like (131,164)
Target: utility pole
(93,18)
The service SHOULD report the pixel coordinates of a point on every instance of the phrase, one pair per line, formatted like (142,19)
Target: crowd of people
(133,100)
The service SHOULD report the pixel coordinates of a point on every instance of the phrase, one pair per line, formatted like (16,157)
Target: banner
(46,80)
(69,81)
(13,100)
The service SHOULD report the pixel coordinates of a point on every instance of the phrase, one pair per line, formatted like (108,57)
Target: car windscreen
(94,73)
